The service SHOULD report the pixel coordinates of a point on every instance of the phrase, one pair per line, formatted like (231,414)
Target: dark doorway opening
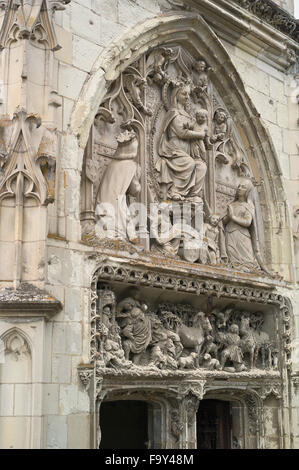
(124,425)
(214,427)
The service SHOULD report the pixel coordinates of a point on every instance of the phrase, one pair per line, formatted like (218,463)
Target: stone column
(190,408)
(183,423)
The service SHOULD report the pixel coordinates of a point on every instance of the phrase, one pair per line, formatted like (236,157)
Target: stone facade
(168,105)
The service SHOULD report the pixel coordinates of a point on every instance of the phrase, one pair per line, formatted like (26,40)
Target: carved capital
(191,403)
(194,389)
(267,389)
(58,4)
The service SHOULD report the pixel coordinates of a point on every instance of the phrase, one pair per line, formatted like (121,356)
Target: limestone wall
(286,4)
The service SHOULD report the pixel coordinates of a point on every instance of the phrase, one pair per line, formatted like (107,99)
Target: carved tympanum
(163,137)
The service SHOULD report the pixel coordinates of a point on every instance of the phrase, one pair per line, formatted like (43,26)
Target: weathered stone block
(6,399)
(68,399)
(85,53)
(56,432)
(50,399)
(78,431)
(70,81)
(15,433)
(85,23)
(73,306)
(106,8)
(61,368)
(23,399)
(65,40)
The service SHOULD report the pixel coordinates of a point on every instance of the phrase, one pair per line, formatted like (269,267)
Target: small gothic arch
(16,342)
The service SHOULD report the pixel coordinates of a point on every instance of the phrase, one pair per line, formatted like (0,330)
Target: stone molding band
(276,16)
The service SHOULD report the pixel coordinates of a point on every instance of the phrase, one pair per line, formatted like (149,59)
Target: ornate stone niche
(165,162)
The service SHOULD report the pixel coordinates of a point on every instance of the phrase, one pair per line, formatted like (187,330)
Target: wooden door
(214,425)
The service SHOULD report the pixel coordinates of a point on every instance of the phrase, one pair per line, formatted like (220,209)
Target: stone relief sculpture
(241,241)
(227,148)
(166,236)
(237,222)
(212,234)
(180,174)
(162,135)
(121,180)
(202,81)
(135,328)
(131,334)
(231,342)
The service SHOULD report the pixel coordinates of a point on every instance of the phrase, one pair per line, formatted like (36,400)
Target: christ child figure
(199,146)
(202,80)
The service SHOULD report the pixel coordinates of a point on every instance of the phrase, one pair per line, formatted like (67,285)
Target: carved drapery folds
(128,334)
(182,187)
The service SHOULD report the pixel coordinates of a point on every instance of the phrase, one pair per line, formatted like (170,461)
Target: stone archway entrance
(214,425)
(124,425)
(130,424)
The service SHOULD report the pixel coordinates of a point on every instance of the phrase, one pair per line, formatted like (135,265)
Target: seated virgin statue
(181,175)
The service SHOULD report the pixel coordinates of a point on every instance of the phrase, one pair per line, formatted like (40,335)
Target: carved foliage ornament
(30,19)
(167,156)
(253,414)
(274,15)
(27,159)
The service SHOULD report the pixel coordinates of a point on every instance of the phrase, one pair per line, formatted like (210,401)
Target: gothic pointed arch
(16,344)
(169,52)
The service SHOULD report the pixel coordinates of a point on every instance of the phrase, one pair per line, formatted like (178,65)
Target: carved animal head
(201,320)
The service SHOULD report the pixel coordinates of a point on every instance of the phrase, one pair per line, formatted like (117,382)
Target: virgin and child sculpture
(188,153)
(181,166)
